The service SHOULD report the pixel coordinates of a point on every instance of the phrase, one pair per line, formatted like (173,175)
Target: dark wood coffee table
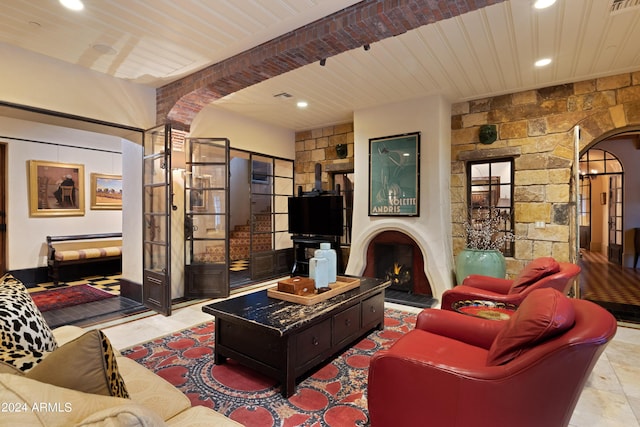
(285,340)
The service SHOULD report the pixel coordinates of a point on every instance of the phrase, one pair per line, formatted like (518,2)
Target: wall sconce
(178,160)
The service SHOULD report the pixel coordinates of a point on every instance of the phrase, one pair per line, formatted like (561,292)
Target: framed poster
(106,191)
(394,175)
(56,189)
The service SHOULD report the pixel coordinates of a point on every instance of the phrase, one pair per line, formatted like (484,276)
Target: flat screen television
(320,215)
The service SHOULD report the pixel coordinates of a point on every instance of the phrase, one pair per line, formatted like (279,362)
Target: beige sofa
(73,377)
(153,401)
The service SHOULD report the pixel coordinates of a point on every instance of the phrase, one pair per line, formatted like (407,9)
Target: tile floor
(611,396)
(610,285)
(109,284)
(96,312)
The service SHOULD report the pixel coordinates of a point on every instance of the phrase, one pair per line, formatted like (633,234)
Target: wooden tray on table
(342,284)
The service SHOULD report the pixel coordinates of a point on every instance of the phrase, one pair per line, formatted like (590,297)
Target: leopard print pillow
(25,337)
(22,360)
(114,379)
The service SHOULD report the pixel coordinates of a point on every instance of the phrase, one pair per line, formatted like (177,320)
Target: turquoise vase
(477,261)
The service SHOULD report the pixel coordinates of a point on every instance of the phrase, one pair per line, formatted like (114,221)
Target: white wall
(244,133)
(132,211)
(239,187)
(26,236)
(35,80)
(432,229)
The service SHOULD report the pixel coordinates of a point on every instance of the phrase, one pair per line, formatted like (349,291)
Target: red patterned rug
(55,299)
(335,395)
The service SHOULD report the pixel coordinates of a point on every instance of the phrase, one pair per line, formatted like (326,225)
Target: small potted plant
(486,237)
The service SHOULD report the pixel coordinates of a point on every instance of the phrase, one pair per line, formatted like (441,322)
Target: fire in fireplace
(394,262)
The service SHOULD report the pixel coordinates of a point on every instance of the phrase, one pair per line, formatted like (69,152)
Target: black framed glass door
(206,218)
(156,282)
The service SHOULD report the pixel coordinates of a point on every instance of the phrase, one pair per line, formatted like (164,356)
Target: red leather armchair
(455,370)
(540,273)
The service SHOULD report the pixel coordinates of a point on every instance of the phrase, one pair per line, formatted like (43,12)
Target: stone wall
(319,146)
(536,128)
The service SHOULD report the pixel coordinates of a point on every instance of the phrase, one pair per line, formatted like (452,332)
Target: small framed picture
(106,191)
(198,194)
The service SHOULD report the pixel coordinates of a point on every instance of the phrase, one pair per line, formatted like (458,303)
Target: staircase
(240,241)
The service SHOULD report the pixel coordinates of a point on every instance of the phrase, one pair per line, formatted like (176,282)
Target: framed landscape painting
(394,175)
(56,189)
(106,191)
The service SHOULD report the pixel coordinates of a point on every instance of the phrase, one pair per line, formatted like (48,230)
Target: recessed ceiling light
(542,4)
(543,62)
(72,4)
(302,104)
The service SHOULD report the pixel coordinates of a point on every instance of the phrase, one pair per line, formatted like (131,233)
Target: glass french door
(206,218)
(615,219)
(270,241)
(584,212)
(156,281)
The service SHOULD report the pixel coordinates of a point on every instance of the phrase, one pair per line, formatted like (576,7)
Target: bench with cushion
(82,249)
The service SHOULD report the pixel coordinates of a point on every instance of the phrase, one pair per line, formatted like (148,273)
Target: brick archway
(362,23)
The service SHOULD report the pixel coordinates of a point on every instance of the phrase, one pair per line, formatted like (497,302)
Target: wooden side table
(485,309)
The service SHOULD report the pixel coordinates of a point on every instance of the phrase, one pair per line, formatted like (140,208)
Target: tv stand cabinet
(301,255)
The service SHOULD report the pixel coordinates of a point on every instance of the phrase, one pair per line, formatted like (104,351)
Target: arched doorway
(608,214)
(601,204)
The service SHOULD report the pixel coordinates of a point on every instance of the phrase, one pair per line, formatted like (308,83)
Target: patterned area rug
(335,395)
(55,299)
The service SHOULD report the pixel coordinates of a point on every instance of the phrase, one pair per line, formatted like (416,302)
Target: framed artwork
(394,175)
(260,172)
(56,189)
(106,191)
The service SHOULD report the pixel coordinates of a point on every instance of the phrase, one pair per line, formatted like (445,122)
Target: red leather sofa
(454,370)
(540,273)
